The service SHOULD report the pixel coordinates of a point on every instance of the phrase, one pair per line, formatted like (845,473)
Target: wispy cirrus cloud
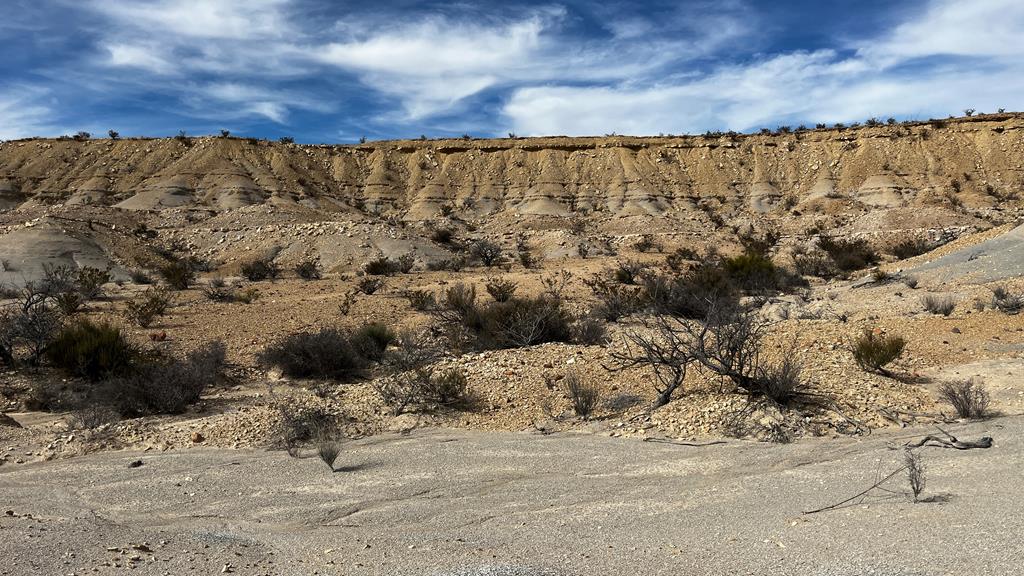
(22,112)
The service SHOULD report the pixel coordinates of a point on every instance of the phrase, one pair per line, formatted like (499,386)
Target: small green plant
(90,281)
(874,350)
(328,450)
(371,340)
(68,302)
(629,272)
(247,296)
(590,330)
(1006,301)
(529,260)
(680,259)
(914,466)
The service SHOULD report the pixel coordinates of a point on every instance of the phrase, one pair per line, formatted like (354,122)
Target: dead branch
(674,443)
(860,494)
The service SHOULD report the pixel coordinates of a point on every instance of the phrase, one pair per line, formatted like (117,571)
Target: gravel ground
(454,502)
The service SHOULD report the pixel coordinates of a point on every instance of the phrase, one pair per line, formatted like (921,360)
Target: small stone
(197,437)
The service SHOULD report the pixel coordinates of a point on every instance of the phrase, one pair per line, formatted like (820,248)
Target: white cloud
(22,115)
(138,56)
(953,27)
(210,19)
(821,86)
(430,65)
(433,64)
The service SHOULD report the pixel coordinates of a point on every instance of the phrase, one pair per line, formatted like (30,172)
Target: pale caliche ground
(466,502)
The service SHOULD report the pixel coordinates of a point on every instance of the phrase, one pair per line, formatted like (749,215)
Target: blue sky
(333,71)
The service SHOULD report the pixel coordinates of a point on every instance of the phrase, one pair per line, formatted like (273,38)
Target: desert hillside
(223,196)
(908,229)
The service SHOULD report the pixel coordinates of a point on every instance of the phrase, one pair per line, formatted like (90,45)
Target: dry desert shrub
(1006,301)
(585,397)
(968,397)
(143,310)
(260,269)
(324,354)
(309,270)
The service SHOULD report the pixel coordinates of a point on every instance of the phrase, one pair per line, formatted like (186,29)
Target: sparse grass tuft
(938,304)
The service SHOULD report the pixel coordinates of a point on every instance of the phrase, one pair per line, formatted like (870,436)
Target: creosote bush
(443,235)
(93,351)
(162,385)
(968,397)
(325,354)
(614,300)
(369,285)
(514,323)
(500,289)
(178,274)
(260,269)
(874,350)
(384,266)
(308,270)
(415,382)
(910,247)
(143,310)
(849,255)
(487,252)
(422,300)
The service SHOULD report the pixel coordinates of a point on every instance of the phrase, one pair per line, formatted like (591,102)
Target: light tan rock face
(978,161)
